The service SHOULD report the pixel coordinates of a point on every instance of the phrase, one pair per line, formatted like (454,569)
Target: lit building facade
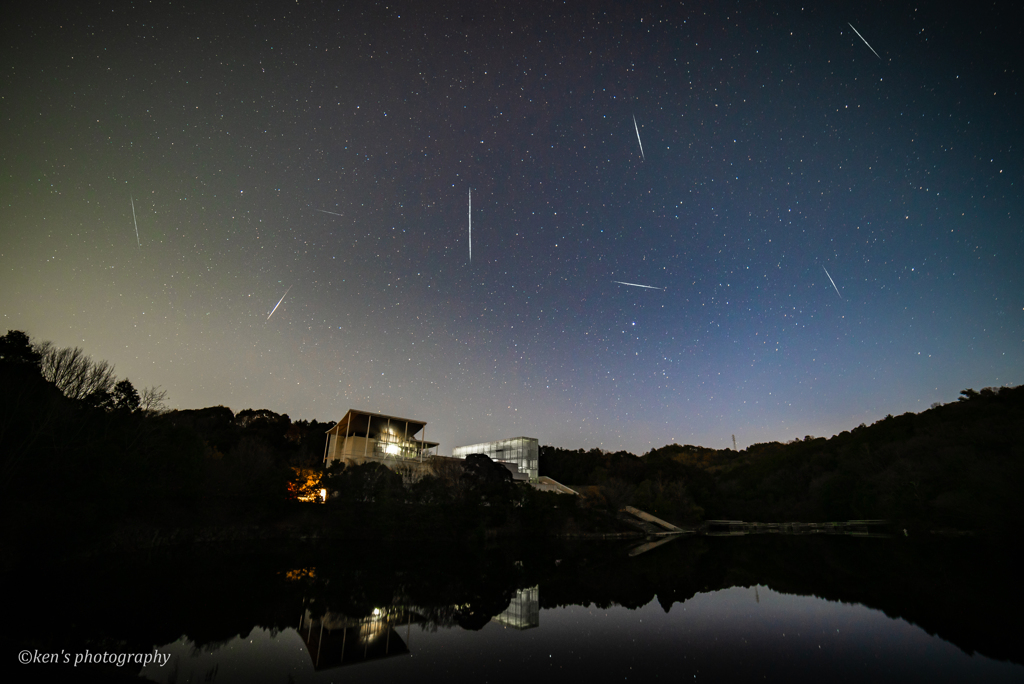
(524,452)
(523,610)
(362,436)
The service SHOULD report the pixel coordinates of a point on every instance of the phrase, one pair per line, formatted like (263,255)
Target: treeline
(668,485)
(958,466)
(83,453)
(86,457)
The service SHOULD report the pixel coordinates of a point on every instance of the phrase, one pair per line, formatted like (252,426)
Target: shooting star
(136,221)
(279,301)
(862,38)
(647,287)
(471,225)
(833,282)
(332,213)
(641,144)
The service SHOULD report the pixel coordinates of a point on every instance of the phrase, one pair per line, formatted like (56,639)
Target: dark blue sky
(776,145)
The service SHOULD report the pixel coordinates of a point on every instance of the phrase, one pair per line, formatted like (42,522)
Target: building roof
(368,423)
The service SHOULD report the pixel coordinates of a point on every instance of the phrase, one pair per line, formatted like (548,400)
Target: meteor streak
(862,38)
(279,301)
(471,225)
(832,281)
(642,145)
(135,221)
(647,287)
(332,213)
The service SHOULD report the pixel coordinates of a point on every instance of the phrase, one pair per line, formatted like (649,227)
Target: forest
(89,461)
(955,468)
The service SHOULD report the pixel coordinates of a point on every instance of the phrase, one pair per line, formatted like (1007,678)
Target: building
(362,436)
(523,452)
(523,610)
(335,640)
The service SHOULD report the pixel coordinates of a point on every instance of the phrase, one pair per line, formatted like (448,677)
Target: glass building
(522,451)
(523,610)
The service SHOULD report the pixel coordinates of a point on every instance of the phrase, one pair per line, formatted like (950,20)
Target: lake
(770,608)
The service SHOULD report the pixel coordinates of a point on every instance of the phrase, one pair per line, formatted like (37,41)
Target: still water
(735,634)
(695,609)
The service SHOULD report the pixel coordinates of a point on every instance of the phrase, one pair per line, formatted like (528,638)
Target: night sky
(328,149)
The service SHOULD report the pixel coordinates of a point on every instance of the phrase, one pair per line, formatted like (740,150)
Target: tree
(30,407)
(152,400)
(367,483)
(76,375)
(15,348)
(124,396)
(250,417)
(486,475)
(450,472)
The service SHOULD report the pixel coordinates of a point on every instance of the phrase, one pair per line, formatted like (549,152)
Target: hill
(955,467)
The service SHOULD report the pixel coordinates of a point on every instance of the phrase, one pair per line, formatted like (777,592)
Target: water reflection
(735,634)
(738,606)
(333,640)
(262,655)
(523,611)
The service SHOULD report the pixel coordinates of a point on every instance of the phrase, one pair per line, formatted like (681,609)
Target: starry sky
(836,234)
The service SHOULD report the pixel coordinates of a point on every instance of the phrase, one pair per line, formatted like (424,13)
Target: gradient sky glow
(330,148)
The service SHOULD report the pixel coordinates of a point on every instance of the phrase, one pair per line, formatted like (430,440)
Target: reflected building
(523,611)
(334,640)
(362,437)
(522,452)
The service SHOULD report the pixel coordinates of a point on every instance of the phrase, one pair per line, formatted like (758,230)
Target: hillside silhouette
(88,461)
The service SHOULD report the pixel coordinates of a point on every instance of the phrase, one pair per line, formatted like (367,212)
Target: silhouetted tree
(250,417)
(485,475)
(124,396)
(369,483)
(30,409)
(75,374)
(15,348)
(153,400)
